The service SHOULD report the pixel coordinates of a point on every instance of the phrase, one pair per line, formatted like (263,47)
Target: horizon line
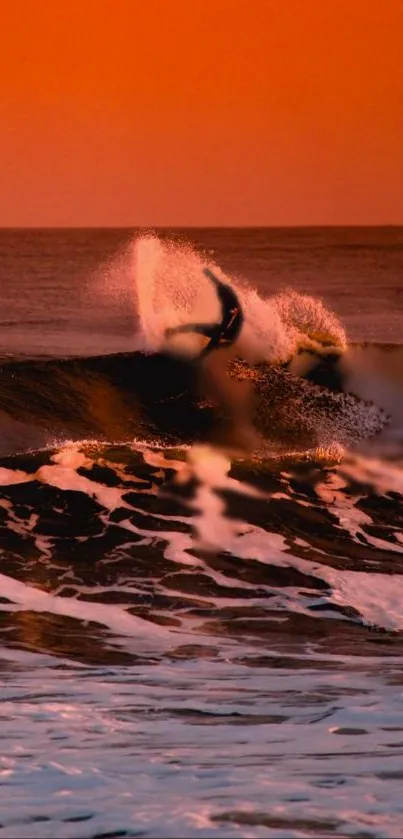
(198,226)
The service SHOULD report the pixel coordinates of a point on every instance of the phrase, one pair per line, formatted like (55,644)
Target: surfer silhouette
(221,334)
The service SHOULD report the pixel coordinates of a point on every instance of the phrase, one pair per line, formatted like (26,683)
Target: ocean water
(201,632)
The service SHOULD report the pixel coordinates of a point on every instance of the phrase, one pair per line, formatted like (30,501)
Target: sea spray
(171,289)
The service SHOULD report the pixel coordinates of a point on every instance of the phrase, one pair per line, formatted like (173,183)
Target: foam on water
(115,618)
(201,680)
(376,597)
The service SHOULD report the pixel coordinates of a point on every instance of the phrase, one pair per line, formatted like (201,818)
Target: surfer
(221,334)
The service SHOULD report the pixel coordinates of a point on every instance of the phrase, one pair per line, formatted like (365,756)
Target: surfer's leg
(213,344)
(232,329)
(202,328)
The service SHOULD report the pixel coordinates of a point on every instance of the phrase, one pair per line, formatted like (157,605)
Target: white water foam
(377,597)
(115,618)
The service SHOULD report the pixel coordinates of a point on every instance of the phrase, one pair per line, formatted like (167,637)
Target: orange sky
(201,112)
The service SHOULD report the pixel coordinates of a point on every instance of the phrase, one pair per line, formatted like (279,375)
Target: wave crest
(171,290)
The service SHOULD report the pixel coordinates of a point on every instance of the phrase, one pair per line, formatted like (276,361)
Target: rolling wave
(171,400)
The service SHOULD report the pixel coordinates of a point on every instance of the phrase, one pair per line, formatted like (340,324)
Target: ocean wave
(187,546)
(159,397)
(156,522)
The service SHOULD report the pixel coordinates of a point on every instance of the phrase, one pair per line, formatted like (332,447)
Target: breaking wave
(171,290)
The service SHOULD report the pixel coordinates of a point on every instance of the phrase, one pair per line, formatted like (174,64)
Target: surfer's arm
(207,329)
(212,276)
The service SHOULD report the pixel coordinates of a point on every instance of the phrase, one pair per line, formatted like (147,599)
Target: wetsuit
(221,334)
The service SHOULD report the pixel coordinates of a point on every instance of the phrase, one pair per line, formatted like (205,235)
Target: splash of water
(171,289)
